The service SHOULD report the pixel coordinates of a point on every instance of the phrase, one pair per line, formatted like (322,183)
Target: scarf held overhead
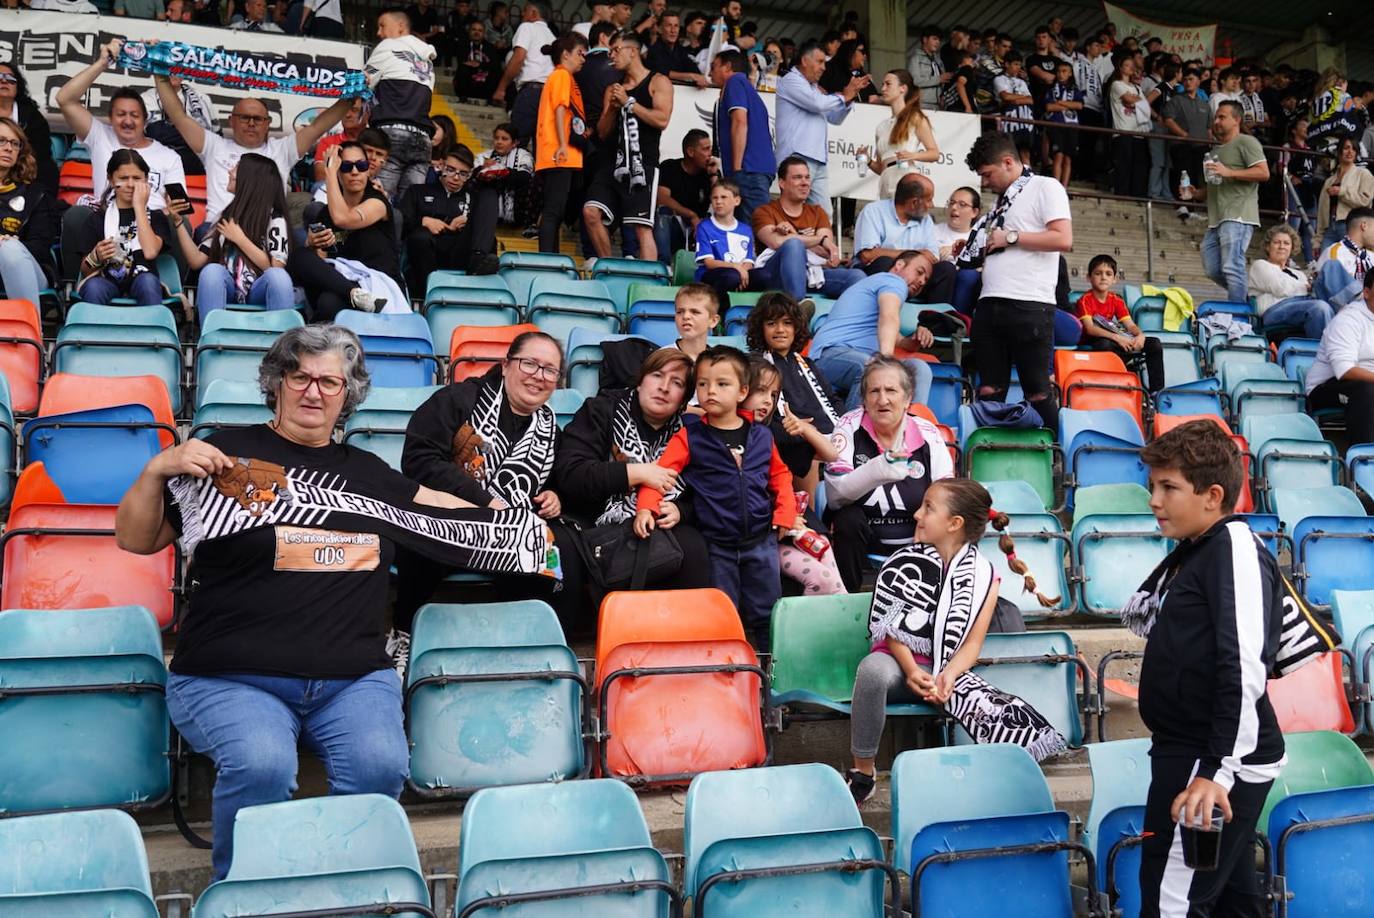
(247,70)
(255,493)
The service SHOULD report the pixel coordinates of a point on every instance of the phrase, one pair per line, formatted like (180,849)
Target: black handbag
(617,559)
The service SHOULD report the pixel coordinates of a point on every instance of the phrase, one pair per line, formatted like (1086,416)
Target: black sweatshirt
(1207,659)
(431,200)
(29,213)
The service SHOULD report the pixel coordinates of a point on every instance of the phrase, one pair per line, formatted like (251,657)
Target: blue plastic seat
(1148,313)
(1014,497)
(398,347)
(100,341)
(338,852)
(521,269)
(1040,542)
(947,387)
(810,821)
(468,734)
(1223,351)
(74,864)
(1292,506)
(84,691)
(584,357)
(93,456)
(1333,553)
(1353,612)
(379,424)
(557,306)
(8,443)
(1100,447)
(1241,310)
(619,274)
(558,839)
(1121,781)
(565,403)
(232,344)
(1322,841)
(1359,464)
(1105,545)
(1199,397)
(1049,684)
(453,299)
(1267,527)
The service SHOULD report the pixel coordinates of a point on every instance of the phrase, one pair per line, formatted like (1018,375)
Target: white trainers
(398,648)
(364,301)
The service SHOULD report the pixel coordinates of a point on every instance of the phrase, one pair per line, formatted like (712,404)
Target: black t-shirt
(949,95)
(691,191)
(1045,63)
(734,440)
(273,599)
(422,21)
(375,245)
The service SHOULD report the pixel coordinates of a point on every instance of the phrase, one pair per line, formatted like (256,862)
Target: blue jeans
(20,272)
(1159,171)
(250,726)
(750,577)
(1223,258)
(1309,312)
(1335,285)
(670,234)
(753,193)
(844,367)
(1334,231)
(820,185)
(786,271)
(408,162)
(146,290)
(271,289)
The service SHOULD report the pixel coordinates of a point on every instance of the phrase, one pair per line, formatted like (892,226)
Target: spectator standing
(526,69)
(255,18)
(961,92)
(684,194)
(1020,242)
(928,71)
(499,30)
(141,9)
(667,56)
(1233,174)
(30,224)
(17,105)
(323,19)
(797,247)
(1040,67)
(952,51)
(434,218)
(1188,115)
(1348,186)
(477,64)
(400,72)
(1256,118)
(1130,119)
(161,129)
(1015,100)
(562,134)
(1343,374)
(601,12)
(741,126)
(1063,105)
(1282,292)
(425,21)
(905,139)
(803,114)
(1228,89)
(849,62)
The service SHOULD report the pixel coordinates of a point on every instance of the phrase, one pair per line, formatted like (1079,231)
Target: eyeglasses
(8,78)
(531,367)
(953,202)
(461,173)
(253,119)
(11,143)
(299,381)
(353,165)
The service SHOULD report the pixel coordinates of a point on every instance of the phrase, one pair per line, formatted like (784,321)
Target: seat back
(1327,868)
(21,352)
(1095,389)
(1317,761)
(1164,423)
(65,393)
(269,323)
(98,464)
(1051,687)
(108,349)
(1181,357)
(379,425)
(1334,552)
(1260,429)
(1067,362)
(1121,778)
(474,349)
(1042,544)
(1313,698)
(565,403)
(1353,612)
(1105,544)
(1014,497)
(1111,498)
(817,644)
(1005,454)
(664,616)
(1297,504)
(1187,401)
(84,863)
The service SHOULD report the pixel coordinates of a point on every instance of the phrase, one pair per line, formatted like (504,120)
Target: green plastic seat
(74,864)
(684,267)
(1110,498)
(1317,761)
(1006,454)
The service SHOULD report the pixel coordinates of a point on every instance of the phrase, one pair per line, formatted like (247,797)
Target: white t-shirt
(584,29)
(1216,98)
(164,163)
(1348,342)
(1136,117)
(945,236)
(1015,273)
(326,9)
(533,36)
(220,155)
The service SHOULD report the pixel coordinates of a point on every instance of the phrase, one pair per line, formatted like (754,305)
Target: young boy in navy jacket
(742,489)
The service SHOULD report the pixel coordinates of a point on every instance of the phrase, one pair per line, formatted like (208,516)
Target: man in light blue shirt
(802,113)
(885,229)
(867,320)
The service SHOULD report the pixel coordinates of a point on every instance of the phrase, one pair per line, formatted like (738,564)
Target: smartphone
(175,190)
(318,228)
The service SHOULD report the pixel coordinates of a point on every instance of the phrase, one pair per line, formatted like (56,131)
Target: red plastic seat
(64,556)
(1096,389)
(1067,362)
(65,393)
(74,180)
(1167,422)
(21,353)
(666,727)
(474,349)
(1313,698)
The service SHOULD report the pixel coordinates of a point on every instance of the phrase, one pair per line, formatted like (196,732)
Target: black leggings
(327,290)
(851,540)
(558,186)
(1131,160)
(1359,405)
(1153,356)
(1009,333)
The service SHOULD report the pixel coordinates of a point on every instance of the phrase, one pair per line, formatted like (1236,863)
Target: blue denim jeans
(146,290)
(271,289)
(670,234)
(750,577)
(1309,312)
(786,271)
(1334,231)
(1223,258)
(250,726)
(820,185)
(19,271)
(844,367)
(753,193)
(408,162)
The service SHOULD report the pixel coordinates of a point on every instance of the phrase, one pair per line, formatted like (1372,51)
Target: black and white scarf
(914,593)
(628,445)
(255,493)
(809,376)
(629,157)
(514,472)
(1363,260)
(972,254)
(1304,637)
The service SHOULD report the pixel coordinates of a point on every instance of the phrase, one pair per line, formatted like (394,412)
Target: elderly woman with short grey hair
(291,537)
(1282,292)
(887,459)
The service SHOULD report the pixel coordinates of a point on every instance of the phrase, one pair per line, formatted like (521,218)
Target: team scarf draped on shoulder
(253,71)
(913,592)
(628,445)
(514,472)
(255,493)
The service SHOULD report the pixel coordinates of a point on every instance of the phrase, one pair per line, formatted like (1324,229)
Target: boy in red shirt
(1107,324)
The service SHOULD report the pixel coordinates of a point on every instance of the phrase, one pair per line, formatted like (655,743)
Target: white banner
(955,133)
(50,47)
(1188,42)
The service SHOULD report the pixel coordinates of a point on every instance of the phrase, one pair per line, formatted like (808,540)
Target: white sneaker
(364,301)
(1182,212)
(398,648)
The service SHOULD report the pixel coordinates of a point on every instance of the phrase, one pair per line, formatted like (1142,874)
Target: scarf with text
(628,445)
(514,472)
(254,71)
(629,157)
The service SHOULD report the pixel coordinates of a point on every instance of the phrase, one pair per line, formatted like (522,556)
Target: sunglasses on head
(353,165)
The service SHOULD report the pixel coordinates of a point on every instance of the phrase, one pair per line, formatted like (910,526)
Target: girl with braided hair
(932,604)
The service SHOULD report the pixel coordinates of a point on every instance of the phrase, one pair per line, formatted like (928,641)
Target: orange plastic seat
(64,556)
(666,727)
(74,180)
(946,433)
(1096,389)
(21,353)
(1068,362)
(1313,698)
(65,393)
(473,349)
(1167,422)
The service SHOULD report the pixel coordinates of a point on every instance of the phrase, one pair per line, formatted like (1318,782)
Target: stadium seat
(1321,844)
(1292,506)
(951,439)
(1317,761)
(806,853)
(817,645)
(1116,818)
(1267,527)
(74,864)
(947,387)
(1041,668)
(1353,612)
(64,556)
(232,344)
(1148,313)
(1259,389)
(8,444)
(558,305)
(1290,452)
(1112,498)
(1163,423)
(951,802)
(379,424)
(521,269)
(714,712)
(67,393)
(1100,447)
(469,727)
(1043,545)
(1243,311)
(565,403)
(1010,454)
(1104,546)
(821,313)
(1223,351)
(321,854)
(1200,397)
(93,457)
(684,267)
(398,347)
(121,341)
(584,357)
(575,848)
(84,708)
(1182,357)
(453,299)
(1067,362)
(1296,356)
(1014,497)
(474,349)
(619,274)
(1359,465)
(229,404)
(21,353)
(1333,553)
(1095,389)
(1313,698)
(650,313)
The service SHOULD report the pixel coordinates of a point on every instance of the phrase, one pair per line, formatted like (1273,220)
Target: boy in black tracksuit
(435,218)
(1213,610)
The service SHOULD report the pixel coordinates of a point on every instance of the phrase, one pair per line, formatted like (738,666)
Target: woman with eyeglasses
(243,259)
(19,107)
(960,211)
(28,219)
(350,258)
(491,441)
(124,262)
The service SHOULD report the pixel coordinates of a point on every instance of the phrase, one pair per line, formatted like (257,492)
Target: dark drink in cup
(1202,847)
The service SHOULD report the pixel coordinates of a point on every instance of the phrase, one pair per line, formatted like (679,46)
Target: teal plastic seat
(1260,429)
(557,839)
(619,274)
(1042,543)
(520,270)
(565,403)
(269,323)
(583,358)
(1292,506)
(379,424)
(1005,454)
(558,305)
(1050,685)
(1121,781)
(1112,498)
(1014,497)
(74,864)
(227,404)
(468,734)
(1359,465)
(324,852)
(232,355)
(1105,545)
(738,342)
(99,346)
(1353,613)
(86,697)
(1181,355)
(809,820)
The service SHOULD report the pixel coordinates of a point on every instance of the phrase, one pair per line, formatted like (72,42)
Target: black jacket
(1203,681)
(28,212)
(431,200)
(583,468)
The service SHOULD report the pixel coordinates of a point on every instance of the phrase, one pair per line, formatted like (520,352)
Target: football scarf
(915,596)
(252,71)
(514,472)
(628,445)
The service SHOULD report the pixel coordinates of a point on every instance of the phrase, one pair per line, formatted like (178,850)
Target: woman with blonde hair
(28,218)
(905,139)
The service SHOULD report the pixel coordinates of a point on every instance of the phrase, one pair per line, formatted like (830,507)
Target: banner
(247,70)
(954,132)
(1188,42)
(50,47)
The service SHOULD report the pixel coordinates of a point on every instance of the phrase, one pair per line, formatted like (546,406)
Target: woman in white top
(1130,115)
(1347,187)
(904,139)
(1282,292)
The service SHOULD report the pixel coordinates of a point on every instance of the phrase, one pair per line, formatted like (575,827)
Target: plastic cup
(1202,847)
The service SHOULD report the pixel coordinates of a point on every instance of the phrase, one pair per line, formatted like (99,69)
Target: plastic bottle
(1185,186)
